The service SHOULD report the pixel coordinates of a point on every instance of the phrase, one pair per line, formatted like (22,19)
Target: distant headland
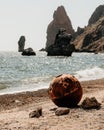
(87,39)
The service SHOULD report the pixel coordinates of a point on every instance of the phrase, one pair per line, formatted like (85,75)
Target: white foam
(28,84)
(90,74)
(24,88)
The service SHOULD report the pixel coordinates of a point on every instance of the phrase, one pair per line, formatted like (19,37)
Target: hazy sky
(31,18)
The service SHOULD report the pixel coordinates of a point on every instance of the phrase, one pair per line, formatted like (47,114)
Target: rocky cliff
(97,14)
(87,39)
(91,38)
(60,20)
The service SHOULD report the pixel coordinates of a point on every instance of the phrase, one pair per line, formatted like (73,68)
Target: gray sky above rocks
(31,18)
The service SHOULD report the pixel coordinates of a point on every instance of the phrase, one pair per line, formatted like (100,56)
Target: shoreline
(15,109)
(29,96)
(36,89)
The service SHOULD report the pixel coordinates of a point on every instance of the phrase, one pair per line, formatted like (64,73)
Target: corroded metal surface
(65,91)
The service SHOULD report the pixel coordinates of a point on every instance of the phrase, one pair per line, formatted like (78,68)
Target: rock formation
(77,33)
(90,103)
(98,13)
(62,111)
(36,113)
(61,46)
(92,39)
(28,52)
(21,44)
(60,20)
(21,48)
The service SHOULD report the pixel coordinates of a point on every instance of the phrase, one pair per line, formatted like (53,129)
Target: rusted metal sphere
(65,91)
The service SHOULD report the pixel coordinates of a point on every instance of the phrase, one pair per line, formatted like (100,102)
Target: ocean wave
(28,84)
(36,80)
(90,74)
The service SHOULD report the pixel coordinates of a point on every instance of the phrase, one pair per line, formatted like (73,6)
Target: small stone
(39,109)
(62,111)
(36,113)
(90,103)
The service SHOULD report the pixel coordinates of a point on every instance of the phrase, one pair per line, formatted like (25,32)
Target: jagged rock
(77,33)
(60,20)
(61,46)
(80,30)
(92,39)
(36,113)
(98,13)
(28,52)
(62,111)
(90,103)
(65,91)
(43,49)
(21,44)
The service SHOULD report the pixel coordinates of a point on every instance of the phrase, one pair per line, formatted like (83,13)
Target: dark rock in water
(36,113)
(28,52)
(65,91)
(90,103)
(62,111)
(61,46)
(60,20)
(21,44)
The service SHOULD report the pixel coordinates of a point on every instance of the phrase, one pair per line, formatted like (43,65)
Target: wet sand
(15,109)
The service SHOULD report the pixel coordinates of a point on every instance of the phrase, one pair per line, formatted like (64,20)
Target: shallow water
(22,73)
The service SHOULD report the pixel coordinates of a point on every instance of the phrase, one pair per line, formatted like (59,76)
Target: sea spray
(90,74)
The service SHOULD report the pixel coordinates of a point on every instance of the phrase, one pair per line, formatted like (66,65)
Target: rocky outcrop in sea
(62,45)
(60,20)
(21,44)
(21,47)
(28,52)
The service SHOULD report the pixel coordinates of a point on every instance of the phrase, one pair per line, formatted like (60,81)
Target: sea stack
(60,20)
(62,45)
(21,44)
(21,48)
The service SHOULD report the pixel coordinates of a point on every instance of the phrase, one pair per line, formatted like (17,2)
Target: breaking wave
(90,74)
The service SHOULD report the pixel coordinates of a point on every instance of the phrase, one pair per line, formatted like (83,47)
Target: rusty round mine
(65,91)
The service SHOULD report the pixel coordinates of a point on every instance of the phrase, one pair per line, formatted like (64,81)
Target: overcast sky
(31,18)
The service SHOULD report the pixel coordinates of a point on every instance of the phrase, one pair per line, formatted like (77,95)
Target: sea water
(27,73)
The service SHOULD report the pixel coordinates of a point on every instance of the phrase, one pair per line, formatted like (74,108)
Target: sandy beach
(15,109)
